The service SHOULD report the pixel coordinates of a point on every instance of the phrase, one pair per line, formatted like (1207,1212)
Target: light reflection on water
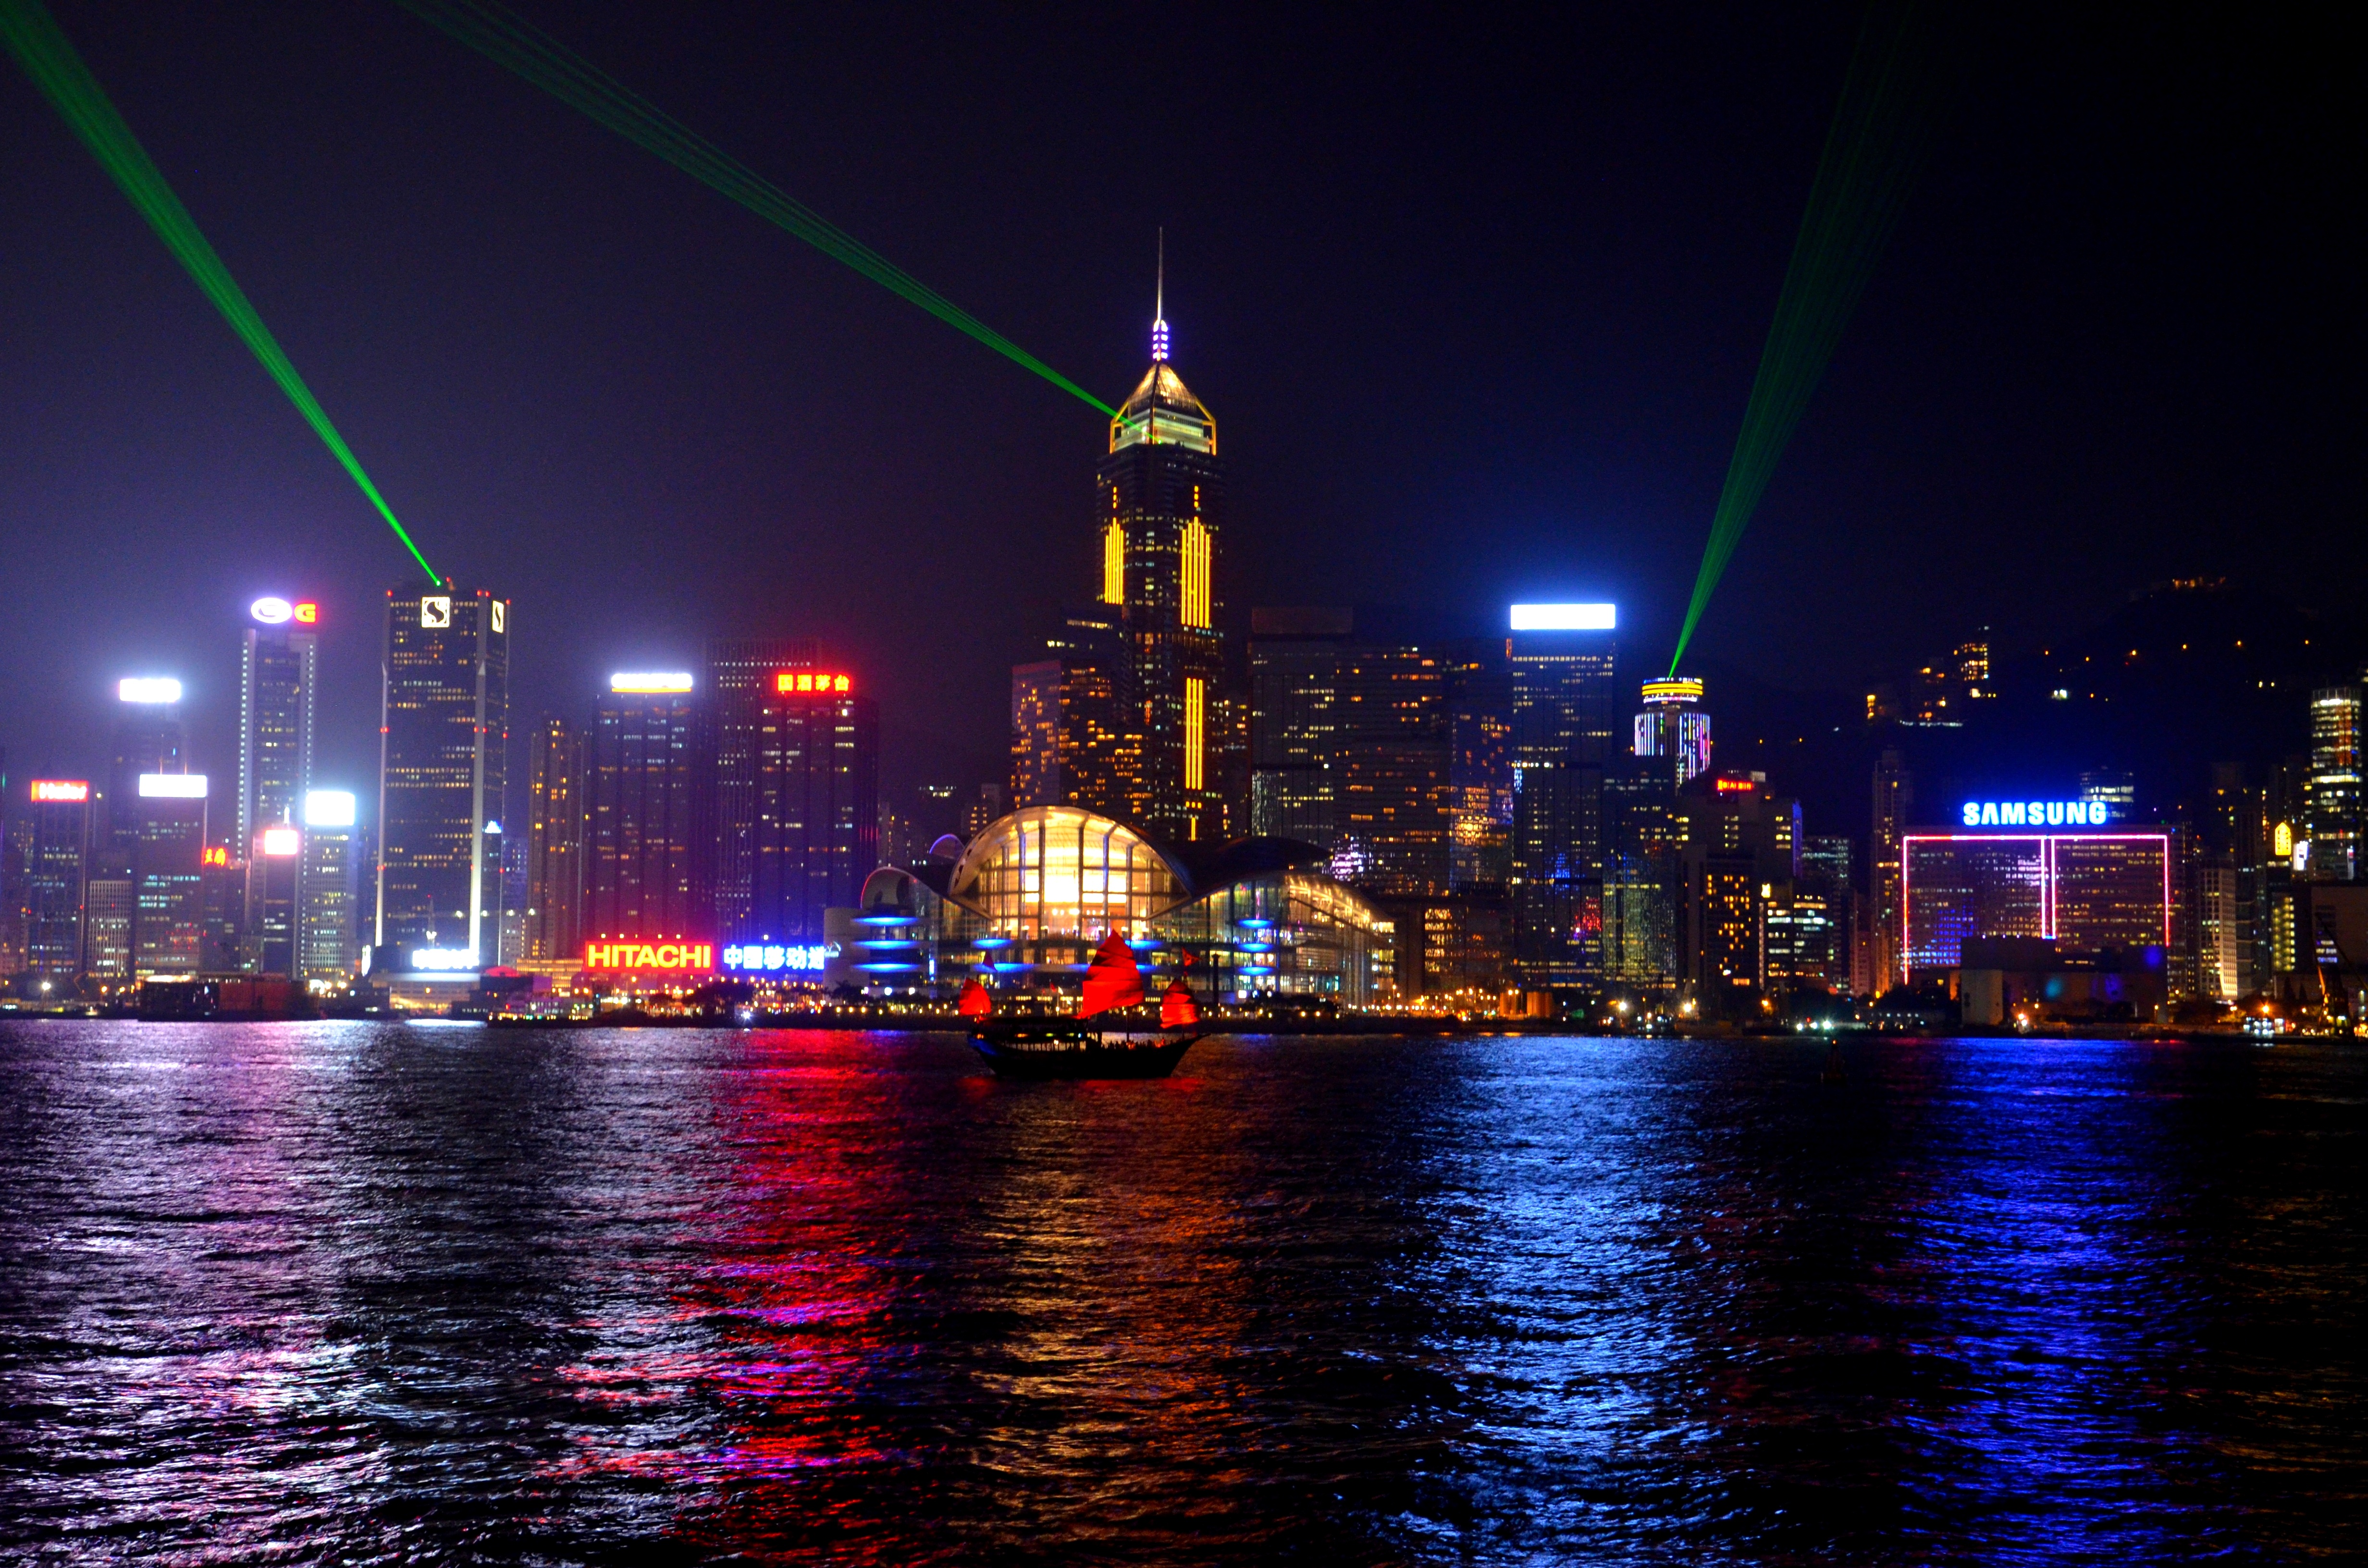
(351,1292)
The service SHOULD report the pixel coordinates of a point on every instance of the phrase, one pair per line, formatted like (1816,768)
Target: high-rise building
(741,676)
(274,900)
(1160,524)
(1295,654)
(168,874)
(1894,799)
(1077,721)
(1674,729)
(554,856)
(649,839)
(147,738)
(443,776)
(277,672)
(1566,698)
(2332,802)
(817,799)
(328,895)
(59,822)
(1480,769)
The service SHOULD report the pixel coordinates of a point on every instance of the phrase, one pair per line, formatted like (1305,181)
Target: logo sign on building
(214,855)
(2035,813)
(172,786)
(674,957)
(501,614)
(280,842)
(148,689)
(768,960)
(1566,618)
(275,612)
(651,681)
(72,792)
(443,959)
(805,681)
(328,808)
(435,613)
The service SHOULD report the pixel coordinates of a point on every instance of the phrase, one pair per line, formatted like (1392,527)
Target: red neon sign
(72,790)
(306,614)
(1728,786)
(804,682)
(675,956)
(214,855)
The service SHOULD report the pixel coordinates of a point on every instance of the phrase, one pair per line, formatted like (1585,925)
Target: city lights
(683,956)
(753,958)
(679,680)
(148,689)
(172,786)
(1566,618)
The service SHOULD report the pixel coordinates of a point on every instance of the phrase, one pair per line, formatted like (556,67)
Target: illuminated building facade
(554,876)
(1159,524)
(1747,928)
(741,675)
(1038,891)
(55,848)
(1673,729)
(1565,704)
(1392,767)
(2085,889)
(648,835)
(275,877)
(1295,655)
(2332,793)
(328,897)
(147,737)
(1077,735)
(167,871)
(278,671)
(815,835)
(443,777)
(1893,801)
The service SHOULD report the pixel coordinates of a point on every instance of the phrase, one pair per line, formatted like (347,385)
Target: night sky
(1475,298)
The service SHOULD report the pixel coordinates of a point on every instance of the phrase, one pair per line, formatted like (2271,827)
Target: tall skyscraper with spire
(1160,520)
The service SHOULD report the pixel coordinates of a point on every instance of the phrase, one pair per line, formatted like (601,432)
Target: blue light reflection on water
(351,1292)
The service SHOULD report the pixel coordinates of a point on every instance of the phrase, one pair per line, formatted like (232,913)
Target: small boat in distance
(1115,1033)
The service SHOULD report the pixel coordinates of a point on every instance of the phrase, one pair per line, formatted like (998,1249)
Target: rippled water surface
(348,1292)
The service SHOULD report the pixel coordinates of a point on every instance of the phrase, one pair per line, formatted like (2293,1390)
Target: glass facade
(443,772)
(2084,890)
(277,671)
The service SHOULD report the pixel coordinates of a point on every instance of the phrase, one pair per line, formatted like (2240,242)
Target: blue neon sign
(770,960)
(2035,813)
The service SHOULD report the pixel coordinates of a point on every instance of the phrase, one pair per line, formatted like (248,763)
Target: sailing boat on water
(1113,1035)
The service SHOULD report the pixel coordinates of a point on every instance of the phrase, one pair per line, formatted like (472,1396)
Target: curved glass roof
(1065,872)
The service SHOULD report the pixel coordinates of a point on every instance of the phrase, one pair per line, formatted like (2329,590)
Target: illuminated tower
(443,769)
(1674,729)
(647,838)
(277,670)
(2331,791)
(1161,508)
(1565,711)
(554,875)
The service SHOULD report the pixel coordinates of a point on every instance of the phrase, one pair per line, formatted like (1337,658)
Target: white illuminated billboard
(650,681)
(148,689)
(173,786)
(281,842)
(1566,618)
(328,808)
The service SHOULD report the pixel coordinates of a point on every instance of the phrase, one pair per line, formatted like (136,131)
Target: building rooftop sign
(1566,618)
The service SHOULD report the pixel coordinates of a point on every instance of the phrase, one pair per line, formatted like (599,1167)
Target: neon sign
(444,959)
(803,682)
(272,610)
(214,855)
(280,842)
(172,786)
(74,791)
(2034,813)
(1730,785)
(148,689)
(1676,688)
(770,960)
(328,808)
(1566,618)
(435,613)
(670,681)
(649,955)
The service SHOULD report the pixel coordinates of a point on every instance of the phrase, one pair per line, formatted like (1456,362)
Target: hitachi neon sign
(649,955)
(769,959)
(74,791)
(805,681)
(2034,813)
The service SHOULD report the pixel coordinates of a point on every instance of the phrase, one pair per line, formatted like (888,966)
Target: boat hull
(1041,1054)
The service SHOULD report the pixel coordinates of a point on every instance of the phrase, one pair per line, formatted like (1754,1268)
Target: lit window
(1114,560)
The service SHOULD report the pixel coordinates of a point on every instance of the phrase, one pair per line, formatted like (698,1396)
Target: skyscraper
(167,869)
(1076,721)
(1392,768)
(1160,522)
(1565,704)
(59,819)
(1674,729)
(147,738)
(815,835)
(328,899)
(443,770)
(1295,657)
(275,901)
(741,675)
(1894,799)
(2332,791)
(277,674)
(554,869)
(649,837)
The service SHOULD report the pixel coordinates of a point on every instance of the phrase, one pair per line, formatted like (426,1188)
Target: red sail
(1113,981)
(1177,1010)
(975,1002)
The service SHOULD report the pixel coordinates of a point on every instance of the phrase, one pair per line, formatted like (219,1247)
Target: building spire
(1160,304)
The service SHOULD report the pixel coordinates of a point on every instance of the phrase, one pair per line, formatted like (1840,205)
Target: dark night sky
(1476,302)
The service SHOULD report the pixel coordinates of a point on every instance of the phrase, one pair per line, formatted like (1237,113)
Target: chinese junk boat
(1115,1034)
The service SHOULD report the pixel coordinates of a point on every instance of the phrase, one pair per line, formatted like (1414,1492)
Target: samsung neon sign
(2035,813)
(770,960)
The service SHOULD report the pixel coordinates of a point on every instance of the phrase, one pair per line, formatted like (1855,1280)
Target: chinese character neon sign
(806,681)
(754,959)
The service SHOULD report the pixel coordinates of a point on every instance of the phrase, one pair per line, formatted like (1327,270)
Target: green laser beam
(517,45)
(1872,152)
(34,38)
